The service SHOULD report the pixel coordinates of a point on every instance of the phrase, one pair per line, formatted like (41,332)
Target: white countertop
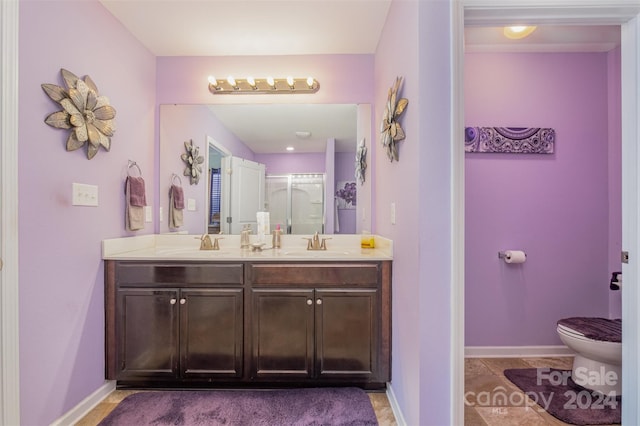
(340,247)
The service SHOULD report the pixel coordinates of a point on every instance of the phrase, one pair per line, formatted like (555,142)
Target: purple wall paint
(414,44)
(61,274)
(292,163)
(180,123)
(555,207)
(345,172)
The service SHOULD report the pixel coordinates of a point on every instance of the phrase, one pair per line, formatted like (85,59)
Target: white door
(243,186)
(9,348)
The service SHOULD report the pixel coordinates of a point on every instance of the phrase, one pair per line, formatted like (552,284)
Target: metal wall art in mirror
(87,115)
(390,127)
(193,159)
(361,161)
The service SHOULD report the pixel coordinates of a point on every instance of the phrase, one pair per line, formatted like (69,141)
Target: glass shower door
(296,202)
(307,203)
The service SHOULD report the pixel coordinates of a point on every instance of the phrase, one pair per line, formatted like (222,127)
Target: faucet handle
(216,246)
(323,244)
(309,244)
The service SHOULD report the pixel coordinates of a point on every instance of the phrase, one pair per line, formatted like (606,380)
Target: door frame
(584,12)
(9,331)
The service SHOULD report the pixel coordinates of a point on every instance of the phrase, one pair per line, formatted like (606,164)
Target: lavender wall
(180,123)
(61,274)
(292,163)
(415,45)
(555,207)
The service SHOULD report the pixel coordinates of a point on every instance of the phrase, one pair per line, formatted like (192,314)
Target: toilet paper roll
(515,256)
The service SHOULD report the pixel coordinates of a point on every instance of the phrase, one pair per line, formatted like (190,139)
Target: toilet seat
(592,329)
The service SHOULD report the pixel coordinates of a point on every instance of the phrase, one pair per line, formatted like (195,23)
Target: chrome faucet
(314,243)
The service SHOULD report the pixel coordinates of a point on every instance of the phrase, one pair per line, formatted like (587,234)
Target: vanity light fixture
(516,32)
(269,85)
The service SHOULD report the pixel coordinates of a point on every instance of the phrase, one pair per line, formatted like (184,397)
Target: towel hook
(133,164)
(174,177)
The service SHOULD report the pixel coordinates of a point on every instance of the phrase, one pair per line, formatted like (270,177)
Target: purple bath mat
(307,406)
(556,393)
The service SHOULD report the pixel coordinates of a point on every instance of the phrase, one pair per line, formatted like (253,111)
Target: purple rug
(307,406)
(553,390)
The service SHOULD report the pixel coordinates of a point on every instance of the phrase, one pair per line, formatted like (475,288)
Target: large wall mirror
(296,161)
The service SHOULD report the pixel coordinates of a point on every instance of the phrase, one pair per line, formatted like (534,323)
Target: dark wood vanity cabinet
(174,322)
(324,322)
(248,323)
(315,334)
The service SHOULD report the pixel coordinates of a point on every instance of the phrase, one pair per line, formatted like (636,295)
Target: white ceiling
(253,27)
(305,27)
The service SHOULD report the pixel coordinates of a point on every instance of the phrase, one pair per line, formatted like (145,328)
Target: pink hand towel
(137,195)
(178,197)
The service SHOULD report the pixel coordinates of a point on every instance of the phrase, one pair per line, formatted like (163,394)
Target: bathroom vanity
(178,316)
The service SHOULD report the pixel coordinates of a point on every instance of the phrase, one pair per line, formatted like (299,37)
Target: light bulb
(310,82)
(212,80)
(231,81)
(251,81)
(290,81)
(270,81)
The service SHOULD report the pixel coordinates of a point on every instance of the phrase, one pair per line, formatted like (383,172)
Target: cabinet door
(147,333)
(346,333)
(211,332)
(282,334)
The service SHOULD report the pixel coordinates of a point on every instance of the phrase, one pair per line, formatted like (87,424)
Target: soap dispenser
(276,241)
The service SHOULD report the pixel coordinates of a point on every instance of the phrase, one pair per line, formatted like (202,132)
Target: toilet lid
(602,329)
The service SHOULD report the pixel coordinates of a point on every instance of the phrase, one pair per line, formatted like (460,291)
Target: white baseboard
(397,413)
(72,416)
(516,351)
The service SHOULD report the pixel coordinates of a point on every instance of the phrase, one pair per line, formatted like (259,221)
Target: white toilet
(598,345)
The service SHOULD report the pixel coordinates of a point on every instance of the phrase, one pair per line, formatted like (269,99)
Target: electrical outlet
(393,213)
(84,195)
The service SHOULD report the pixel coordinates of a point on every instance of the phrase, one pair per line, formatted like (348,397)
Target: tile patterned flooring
(486,374)
(481,374)
(379,402)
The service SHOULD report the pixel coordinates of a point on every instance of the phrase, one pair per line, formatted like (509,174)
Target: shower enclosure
(296,202)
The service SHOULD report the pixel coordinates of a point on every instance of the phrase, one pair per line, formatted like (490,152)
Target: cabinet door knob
(173,301)
(309,302)
(183,301)
(318,301)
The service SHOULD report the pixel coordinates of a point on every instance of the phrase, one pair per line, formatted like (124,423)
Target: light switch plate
(84,195)
(148,214)
(191,204)
(161,215)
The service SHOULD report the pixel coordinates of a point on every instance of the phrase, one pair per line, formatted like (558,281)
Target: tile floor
(486,374)
(379,402)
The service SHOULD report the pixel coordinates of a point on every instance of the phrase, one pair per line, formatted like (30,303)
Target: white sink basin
(316,253)
(189,252)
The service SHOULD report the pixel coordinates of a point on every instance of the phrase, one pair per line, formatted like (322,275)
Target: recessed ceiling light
(518,31)
(303,135)
(290,148)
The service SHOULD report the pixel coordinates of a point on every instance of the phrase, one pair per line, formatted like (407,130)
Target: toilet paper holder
(503,254)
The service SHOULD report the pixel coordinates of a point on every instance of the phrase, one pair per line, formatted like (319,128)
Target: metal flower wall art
(390,127)
(361,161)
(193,159)
(87,115)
